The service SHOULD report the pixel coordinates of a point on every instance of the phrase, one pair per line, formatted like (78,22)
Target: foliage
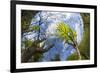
(65,32)
(69,35)
(84,45)
(26,17)
(74,57)
(27,43)
(35,27)
(37,57)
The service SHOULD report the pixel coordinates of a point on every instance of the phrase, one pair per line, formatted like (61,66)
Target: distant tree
(69,35)
(32,49)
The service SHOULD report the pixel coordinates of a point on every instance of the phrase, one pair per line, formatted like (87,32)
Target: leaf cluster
(65,32)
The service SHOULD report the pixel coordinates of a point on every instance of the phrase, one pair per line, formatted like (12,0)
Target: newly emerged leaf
(65,32)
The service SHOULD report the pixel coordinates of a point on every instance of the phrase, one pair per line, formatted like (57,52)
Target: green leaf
(64,32)
(27,43)
(35,28)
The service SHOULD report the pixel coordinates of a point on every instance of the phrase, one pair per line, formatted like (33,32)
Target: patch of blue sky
(60,49)
(50,54)
(31,36)
(66,52)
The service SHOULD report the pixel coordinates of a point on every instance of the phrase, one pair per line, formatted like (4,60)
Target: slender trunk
(78,53)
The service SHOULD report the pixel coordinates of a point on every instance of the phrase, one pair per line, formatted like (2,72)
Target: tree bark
(78,53)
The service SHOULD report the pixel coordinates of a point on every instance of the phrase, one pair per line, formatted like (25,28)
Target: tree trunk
(78,53)
(77,50)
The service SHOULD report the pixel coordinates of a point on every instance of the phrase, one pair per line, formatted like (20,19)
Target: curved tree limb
(29,52)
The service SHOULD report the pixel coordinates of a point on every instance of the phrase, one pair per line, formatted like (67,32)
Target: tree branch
(28,53)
